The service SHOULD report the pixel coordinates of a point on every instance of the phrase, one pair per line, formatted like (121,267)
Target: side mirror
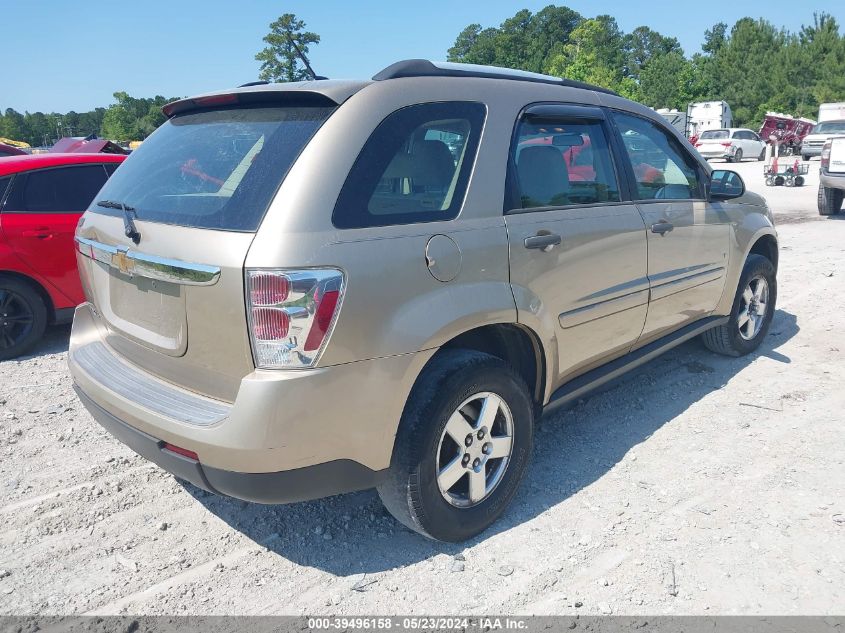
(725,185)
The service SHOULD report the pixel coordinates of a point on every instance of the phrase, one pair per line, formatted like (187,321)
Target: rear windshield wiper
(128,223)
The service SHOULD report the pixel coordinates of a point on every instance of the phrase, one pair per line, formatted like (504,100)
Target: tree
(120,120)
(13,126)
(280,60)
(525,41)
(593,54)
(715,38)
(748,68)
(663,81)
(642,45)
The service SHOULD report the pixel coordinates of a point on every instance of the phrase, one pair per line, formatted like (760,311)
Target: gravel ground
(697,485)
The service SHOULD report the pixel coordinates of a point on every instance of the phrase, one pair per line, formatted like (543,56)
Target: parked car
(822,132)
(732,144)
(832,176)
(302,289)
(41,200)
(9,150)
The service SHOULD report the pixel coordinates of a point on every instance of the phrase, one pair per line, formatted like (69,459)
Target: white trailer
(675,118)
(832,112)
(708,115)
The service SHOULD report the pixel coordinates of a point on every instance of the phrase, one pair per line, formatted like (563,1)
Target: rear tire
(805,157)
(738,156)
(23,317)
(830,200)
(454,391)
(746,327)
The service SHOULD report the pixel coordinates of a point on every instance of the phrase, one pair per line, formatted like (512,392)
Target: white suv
(732,144)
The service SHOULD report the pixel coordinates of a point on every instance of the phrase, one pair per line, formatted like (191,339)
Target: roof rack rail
(426,68)
(254,83)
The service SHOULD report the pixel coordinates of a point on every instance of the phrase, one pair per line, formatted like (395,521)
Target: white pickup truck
(832,176)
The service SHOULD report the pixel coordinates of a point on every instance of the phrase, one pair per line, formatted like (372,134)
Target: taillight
(697,144)
(291,314)
(268,289)
(270,324)
(326,306)
(214,100)
(728,144)
(826,155)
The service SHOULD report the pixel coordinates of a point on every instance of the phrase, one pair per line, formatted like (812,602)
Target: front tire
(464,441)
(829,200)
(752,312)
(23,317)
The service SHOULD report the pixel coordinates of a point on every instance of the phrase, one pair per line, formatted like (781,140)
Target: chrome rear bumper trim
(144,390)
(150,266)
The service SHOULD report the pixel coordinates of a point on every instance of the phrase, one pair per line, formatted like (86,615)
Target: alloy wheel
(16,318)
(753,306)
(474,450)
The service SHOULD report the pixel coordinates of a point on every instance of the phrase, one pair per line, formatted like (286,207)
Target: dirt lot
(699,485)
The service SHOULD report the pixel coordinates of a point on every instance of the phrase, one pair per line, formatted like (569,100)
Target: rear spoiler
(306,93)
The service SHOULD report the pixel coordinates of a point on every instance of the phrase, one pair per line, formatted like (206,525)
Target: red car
(41,200)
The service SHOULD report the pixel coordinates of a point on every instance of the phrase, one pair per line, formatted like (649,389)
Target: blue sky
(72,55)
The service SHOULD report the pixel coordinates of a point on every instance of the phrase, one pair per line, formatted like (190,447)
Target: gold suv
(298,290)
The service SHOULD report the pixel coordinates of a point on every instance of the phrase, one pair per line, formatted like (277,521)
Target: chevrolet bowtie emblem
(123,262)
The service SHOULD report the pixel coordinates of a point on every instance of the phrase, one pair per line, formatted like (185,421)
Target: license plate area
(147,311)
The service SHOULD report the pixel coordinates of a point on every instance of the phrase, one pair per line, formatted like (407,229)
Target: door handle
(542,241)
(41,234)
(663,227)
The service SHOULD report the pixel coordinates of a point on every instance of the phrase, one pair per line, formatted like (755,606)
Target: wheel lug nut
(481,434)
(476,463)
(468,440)
(487,448)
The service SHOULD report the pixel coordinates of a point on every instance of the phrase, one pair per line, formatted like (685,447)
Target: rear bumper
(722,152)
(834,181)
(300,484)
(807,150)
(288,436)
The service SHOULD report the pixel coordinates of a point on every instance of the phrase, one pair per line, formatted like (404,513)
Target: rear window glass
(715,134)
(213,169)
(414,168)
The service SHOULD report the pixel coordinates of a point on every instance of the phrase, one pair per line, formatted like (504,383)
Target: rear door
(577,247)
(40,217)
(687,236)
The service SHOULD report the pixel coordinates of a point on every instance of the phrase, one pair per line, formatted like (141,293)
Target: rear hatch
(195,191)
(713,142)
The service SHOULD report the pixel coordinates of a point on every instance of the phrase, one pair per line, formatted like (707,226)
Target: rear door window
(413,168)
(215,169)
(562,162)
(57,190)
